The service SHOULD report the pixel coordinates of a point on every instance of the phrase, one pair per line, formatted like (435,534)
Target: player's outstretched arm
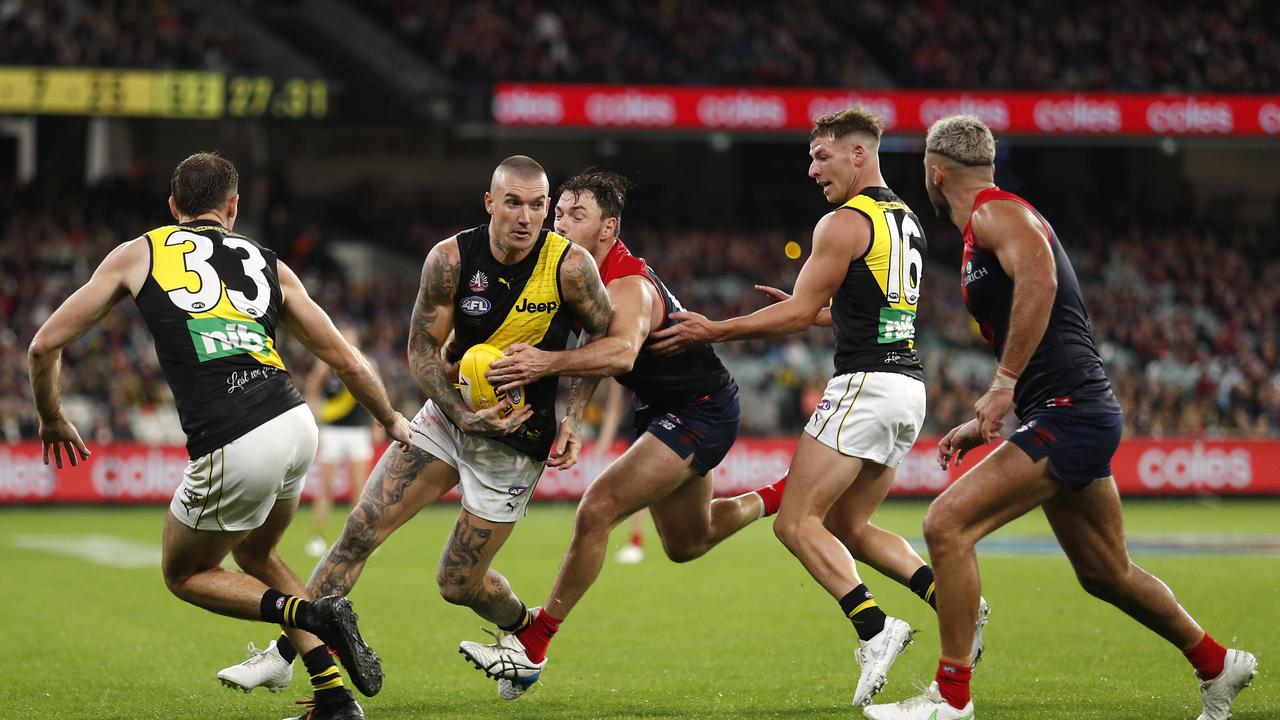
(632,298)
(822,319)
(311,325)
(838,238)
(429,330)
(116,277)
(1021,244)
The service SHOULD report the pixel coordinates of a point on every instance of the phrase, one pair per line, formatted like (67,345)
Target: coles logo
(1189,115)
(743,110)
(1196,468)
(1079,114)
(632,108)
(886,108)
(992,111)
(520,106)
(1269,118)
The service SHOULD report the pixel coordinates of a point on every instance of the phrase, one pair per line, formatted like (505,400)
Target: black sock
(326,681)
(922,585)
(524,620)
(286,610)
(860,607)
(285,647)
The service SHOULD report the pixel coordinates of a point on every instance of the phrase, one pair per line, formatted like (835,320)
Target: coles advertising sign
(128,473)
(753,109)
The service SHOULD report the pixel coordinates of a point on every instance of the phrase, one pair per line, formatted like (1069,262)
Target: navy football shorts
(705,428)
(1078,443)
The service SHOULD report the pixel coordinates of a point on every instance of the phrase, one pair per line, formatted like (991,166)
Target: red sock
(637,538)
(953,683)
(1207,657)
(537,636)
(772,496)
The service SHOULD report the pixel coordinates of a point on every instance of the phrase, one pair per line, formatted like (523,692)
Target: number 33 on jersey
(221,287)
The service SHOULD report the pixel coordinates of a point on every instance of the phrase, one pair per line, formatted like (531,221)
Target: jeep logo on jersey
(526,306)
(218,337)
(475,306)
(896,325)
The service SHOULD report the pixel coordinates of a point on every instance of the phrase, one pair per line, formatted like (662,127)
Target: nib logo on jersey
(218,337)
(896,325)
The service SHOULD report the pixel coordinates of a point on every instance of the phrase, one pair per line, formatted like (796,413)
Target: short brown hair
(607,187)
(203,182)
(845,122)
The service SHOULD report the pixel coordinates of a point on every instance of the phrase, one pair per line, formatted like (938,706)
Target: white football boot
(504,659)
(264,668)
(984,614)
(629,554)
(927,706)
(876,656)
(1219,694)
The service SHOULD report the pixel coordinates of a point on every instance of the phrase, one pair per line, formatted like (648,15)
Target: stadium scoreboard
(161,94)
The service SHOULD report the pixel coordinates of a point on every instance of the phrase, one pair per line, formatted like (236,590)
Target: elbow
(622,364)
(40,350)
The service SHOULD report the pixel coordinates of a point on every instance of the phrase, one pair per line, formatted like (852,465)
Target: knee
(456,593)
(176,583)
(787,530)
(1104,581)
(683,552)
(594,518)
(942,533)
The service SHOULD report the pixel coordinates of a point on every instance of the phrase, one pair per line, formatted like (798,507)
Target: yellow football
(477,392)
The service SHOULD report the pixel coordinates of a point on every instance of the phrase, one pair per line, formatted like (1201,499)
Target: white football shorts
(874,416)
(234,487)
(495,479)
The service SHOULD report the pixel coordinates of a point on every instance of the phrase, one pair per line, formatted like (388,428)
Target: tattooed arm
(429,330)
(588,300)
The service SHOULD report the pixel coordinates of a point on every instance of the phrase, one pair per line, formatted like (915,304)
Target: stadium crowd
(117,33)
(1201,45)
(1185,320)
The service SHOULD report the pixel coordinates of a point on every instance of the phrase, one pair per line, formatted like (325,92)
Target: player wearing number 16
(868,259)
(212,300)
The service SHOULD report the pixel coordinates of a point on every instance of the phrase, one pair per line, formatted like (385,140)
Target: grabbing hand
(522,365)
(991,409)
(497,420)
(690,329)
(400,430)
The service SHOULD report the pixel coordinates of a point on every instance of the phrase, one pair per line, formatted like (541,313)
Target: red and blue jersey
(1065,370)
(661,380)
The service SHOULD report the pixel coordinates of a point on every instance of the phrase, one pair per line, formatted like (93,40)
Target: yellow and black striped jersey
(874,310)
(212,301)
(501,305)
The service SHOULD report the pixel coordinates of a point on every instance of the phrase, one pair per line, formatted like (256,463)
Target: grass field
(741,633)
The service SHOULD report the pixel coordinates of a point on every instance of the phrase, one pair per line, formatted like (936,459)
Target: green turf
(741,633)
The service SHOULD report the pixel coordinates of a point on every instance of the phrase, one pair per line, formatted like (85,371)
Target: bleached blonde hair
(963,138)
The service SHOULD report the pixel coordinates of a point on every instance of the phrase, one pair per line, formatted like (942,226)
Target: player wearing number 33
(868,258)
(212,300)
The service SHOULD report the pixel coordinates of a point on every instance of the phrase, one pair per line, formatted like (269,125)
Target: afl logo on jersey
(478,282)
(475,306)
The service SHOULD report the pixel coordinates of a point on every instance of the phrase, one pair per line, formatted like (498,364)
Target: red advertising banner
(130,474)
(757,109)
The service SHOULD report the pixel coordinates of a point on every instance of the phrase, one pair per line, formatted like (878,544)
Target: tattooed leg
(464,575)
(402,483)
